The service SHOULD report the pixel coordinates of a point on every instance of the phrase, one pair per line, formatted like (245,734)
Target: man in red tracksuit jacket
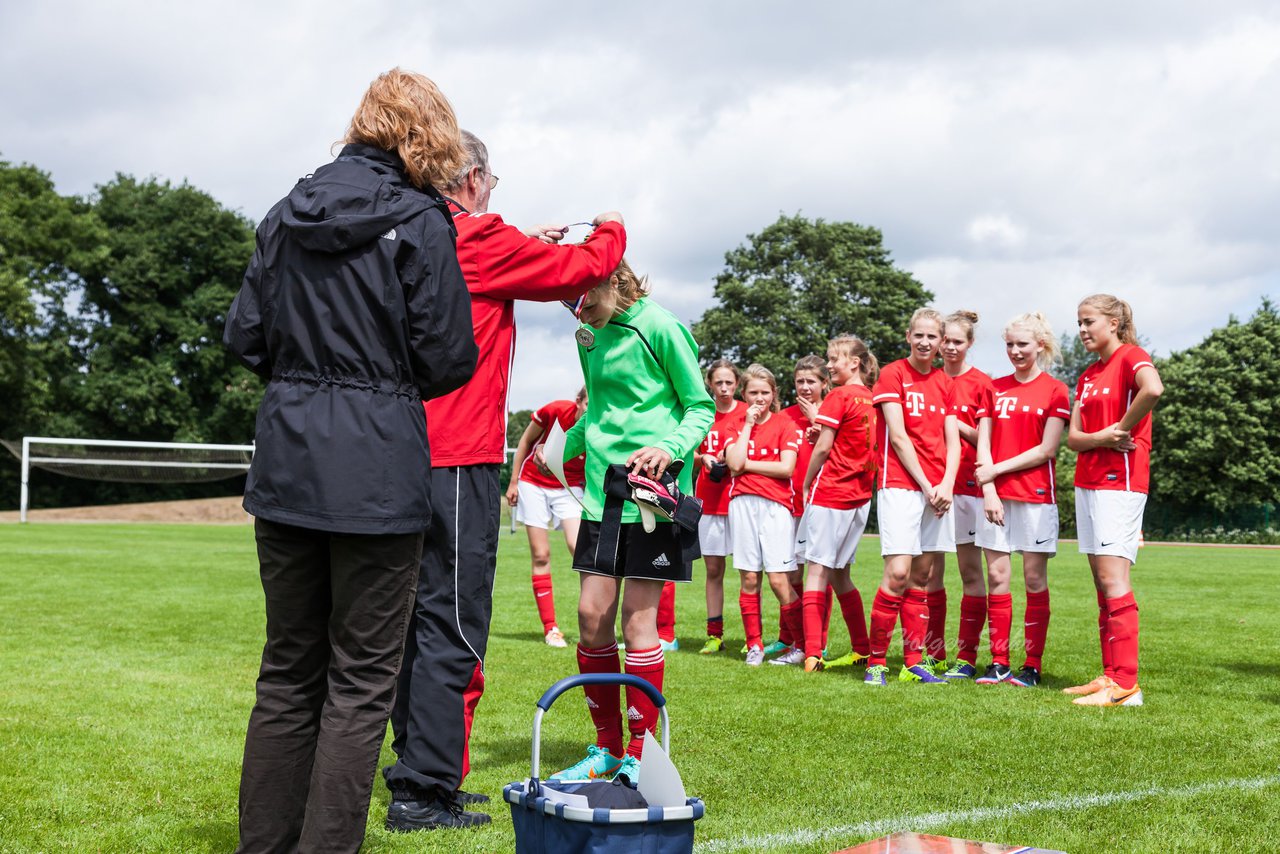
(442,676)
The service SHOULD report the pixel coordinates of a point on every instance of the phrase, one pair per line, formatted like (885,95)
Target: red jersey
(1019,413)
(1103,393)
(847,478)
(715,496)
(926,401)
(501,264)
(768,441)
(566,413)
(805,453)
(968,390)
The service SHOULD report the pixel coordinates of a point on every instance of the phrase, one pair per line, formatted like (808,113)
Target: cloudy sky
(1016,155)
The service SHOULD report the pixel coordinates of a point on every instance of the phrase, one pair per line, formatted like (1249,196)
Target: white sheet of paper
(553,454)
(556,796)
(660,782)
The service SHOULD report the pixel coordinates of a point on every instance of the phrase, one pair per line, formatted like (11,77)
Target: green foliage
(1217,427)
(1075,358)
(799,283)
(517,422)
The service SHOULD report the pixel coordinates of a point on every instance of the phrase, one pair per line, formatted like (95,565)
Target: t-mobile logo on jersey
(1006,405)
(1084,393)
(915,402)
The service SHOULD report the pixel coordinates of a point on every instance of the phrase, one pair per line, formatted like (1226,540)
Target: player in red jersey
(838,483)
(541,503)
(971,386)
(1019,429)
(761,459)
(1111,431)
(712,486)
(919,444)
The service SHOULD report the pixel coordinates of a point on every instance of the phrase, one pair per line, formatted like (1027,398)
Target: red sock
(856,619)
(1000,614)
(715,627)
(813,633)
(793,619)
(786,634)
(1104,613)
(936,640)
(602,700)
(826,614)
(1036,627)
(973,617)
(915,625)
(784,630)
(642,714)
(1122,626)
(545,601)
(750,607)
(667,613)
(884,614)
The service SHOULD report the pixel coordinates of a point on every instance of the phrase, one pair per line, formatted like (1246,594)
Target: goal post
(128,462)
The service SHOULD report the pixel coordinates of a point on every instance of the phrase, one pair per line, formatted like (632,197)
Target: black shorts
(656,556)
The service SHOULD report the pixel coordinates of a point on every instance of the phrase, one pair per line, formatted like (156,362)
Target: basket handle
(582,679)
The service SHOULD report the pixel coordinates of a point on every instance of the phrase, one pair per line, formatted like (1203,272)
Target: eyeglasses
(493,180)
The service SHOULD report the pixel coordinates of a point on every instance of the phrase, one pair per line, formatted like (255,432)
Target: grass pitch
(128,655)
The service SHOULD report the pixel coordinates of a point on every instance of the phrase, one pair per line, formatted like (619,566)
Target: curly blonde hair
(406,112)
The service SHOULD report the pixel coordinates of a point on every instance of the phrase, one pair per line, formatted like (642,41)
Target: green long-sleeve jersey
(644,389)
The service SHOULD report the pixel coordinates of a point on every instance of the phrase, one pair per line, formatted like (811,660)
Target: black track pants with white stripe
(442,677)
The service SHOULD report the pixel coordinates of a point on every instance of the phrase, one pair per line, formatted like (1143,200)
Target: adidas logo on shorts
(661,560)
(633,714)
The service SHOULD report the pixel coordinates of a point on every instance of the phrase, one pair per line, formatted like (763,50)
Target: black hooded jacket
(355,310)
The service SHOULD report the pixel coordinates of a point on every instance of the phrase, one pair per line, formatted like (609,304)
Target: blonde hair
(631,287)
(723,363)
(757,371)
(927,314)
(1118,310)
(815,365)
(1037,324)
(405,112)
(852,346)
(963,318)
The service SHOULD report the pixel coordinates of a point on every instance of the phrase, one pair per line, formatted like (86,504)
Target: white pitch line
(928,821)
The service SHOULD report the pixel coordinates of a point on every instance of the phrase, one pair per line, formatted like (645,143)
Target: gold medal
(585,336)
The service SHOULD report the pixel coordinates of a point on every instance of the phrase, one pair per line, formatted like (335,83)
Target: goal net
(128,462)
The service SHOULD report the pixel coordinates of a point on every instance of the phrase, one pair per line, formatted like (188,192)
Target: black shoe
(468,798)
(1028,677)
(406,816)
(996,673)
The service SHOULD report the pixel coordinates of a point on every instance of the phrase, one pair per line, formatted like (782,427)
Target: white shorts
(713,536)
(1109,522)
(1027,528)
(968,514)
(762,535)
(538,507)
(799,537)
(834,534)
(908,525)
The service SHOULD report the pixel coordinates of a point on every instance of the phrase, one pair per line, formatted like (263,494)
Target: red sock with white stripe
(915,625)
(1000,615)
(812,608)
(936,640)
(1036,626)
(884,614)
(545,600)
(856,619)
(1122,625)
(750,607)
(792,616)
(603,701)
(642,714)
(667,613)
(973,617)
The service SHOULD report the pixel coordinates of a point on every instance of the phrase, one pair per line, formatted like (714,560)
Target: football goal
(128,462)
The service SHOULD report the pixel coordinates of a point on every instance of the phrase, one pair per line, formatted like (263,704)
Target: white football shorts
(968,514)
(1109,522)
(834,534)
(762,534)
(538,507)
(713,536)
(1027,527)
(909,526)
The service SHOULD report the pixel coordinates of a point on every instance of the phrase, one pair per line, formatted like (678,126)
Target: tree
(799,283)
(1217,427)
(1075,358)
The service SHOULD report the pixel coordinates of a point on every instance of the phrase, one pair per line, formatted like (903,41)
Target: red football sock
(813,633)
(642,714)
(973,617)
(793,619)
(715,627)
(915,625)
(603,700)
(1122,626)
(667,613)
(1000,614)
(785,632)
(750,607)
(1036,627)
(884,614)
(856,619)
(1104,613)
(826,614)
(936,640)
(546,602)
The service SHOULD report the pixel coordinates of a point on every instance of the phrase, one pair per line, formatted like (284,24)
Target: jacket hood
(354,200)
